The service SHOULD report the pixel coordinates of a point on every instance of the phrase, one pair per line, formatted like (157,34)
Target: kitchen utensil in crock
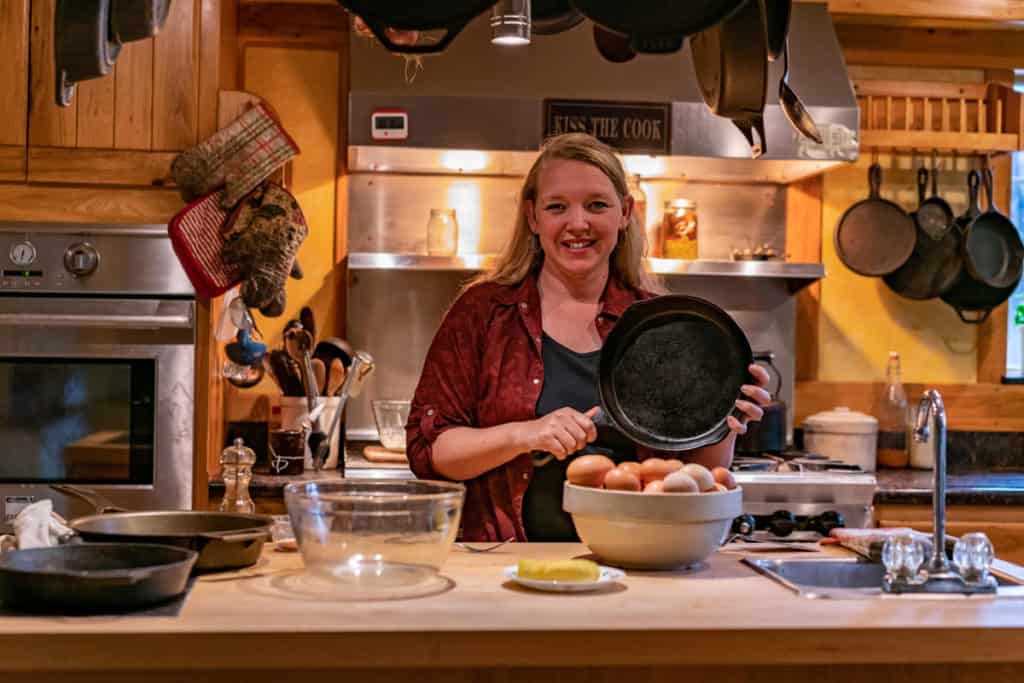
(83,46)
(768,435)
(794,109)
(548,17)
(993,252)
(93,578)
(361,368)
(137,19)
(934,265)
(934,215)
(451,15)
(776,21)
(334,347)
(874,237)
(972,299)
(335,377)
(670,374)
(612,46)
(656,26)
(224,540)
(730,60)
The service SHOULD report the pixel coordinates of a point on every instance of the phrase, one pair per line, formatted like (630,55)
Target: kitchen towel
(238,157)
(36,526)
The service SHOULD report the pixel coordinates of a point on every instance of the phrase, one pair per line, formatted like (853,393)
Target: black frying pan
(613,46)
(874,237)
(934,265)
(83,46)
(934,215)
(993,252)
(730,60)
(657,26)
(451,15)
(776,21)
(548,17)
(670,374)
(93,578)
(137,19)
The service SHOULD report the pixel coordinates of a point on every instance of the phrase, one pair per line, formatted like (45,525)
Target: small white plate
(608,575)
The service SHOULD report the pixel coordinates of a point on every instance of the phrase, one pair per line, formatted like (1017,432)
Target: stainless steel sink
(855,578)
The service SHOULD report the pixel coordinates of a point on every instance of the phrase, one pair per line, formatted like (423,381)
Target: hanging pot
(451,15)
(83,46)
(731,63)
(769,434)
(137,19)
(613,46)
(656,26)
(548,17)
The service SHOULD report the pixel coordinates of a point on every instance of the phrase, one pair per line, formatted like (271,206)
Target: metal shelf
(798,274)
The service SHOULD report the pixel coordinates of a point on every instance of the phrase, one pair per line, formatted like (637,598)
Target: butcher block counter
(720,622)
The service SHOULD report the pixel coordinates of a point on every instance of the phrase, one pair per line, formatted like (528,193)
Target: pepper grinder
(236,463)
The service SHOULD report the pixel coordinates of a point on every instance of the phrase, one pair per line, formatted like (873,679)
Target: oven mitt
(197,236)
(238,157)
(264,233)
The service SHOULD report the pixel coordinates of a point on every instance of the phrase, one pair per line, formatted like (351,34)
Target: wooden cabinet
(1004,525)
(14,22)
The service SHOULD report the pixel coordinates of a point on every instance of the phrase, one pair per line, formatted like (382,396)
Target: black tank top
(570,379)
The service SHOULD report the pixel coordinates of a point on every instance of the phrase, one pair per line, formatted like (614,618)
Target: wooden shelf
(965,143)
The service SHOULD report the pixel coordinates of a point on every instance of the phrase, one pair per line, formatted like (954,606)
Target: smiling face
(577,216)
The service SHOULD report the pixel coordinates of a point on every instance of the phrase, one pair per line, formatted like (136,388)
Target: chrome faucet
(937,575)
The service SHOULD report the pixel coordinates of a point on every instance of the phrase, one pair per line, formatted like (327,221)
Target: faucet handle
(973,555)
(903,557)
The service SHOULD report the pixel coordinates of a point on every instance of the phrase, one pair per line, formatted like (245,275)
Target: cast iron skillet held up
(874,237)
(670,374)
(451,15)
(657,26)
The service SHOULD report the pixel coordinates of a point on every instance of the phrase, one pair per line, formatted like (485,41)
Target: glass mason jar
(679,230)
(442,233)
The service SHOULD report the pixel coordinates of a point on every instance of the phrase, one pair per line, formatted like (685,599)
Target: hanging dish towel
(197,235)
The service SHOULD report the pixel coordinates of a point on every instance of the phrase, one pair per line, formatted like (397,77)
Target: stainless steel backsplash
(393,313)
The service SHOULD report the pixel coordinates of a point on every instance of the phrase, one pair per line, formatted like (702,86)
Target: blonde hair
(523,253)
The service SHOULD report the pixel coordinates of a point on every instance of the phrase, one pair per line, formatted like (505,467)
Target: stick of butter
(559,570)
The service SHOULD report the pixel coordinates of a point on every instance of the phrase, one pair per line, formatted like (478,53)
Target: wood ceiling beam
(954,48)
(929,13)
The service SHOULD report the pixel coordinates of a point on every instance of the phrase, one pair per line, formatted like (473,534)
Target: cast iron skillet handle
(987,181)
(974,321)
(875,180)
(747,128)
(922,184)
(379,30)
(608,435)
(973,184)
(102,505)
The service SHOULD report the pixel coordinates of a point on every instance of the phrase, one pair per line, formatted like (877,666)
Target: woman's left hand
(759,396)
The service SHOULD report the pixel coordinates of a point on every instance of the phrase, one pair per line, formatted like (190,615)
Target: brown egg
(719,488)
(621,480)
(589,470)
(701,475)
(724,477)
(656,486)
(655,469)
(631,467)
(680,482)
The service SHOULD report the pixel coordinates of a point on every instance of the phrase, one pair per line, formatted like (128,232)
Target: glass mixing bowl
(372,535)
(391,417)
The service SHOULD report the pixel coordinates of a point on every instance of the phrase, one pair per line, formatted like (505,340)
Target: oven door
(96,392)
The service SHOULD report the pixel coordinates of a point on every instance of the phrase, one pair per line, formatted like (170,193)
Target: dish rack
(956,117)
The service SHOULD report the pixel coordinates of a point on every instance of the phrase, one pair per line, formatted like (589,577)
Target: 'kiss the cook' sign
(630,128)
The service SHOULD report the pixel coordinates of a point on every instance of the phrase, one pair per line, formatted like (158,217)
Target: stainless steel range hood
(480,108)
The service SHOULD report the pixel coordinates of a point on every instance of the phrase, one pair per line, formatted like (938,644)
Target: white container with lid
(843,434)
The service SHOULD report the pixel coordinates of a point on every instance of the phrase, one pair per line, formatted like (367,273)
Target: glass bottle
(893,413)
(640,208)
(442,233)
(236,470)
(679,230)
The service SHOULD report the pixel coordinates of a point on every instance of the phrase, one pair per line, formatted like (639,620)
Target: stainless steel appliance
(97,366)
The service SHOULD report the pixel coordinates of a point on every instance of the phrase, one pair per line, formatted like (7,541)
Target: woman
(509,386)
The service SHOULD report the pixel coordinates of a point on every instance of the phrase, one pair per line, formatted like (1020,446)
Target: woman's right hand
(562,432)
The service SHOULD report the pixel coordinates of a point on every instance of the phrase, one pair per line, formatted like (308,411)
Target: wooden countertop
(652,619)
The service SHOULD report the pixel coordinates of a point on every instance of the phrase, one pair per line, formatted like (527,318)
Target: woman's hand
(562,432)
(759,396)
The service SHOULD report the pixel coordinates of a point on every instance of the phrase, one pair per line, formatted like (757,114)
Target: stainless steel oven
(97,366)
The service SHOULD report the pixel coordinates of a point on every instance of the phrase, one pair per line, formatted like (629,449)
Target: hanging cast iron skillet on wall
(451,15)
(670,374)
(731,63)
(83,45)
(874,237)
(934,216)
(968,294)
(657,26)
(934,265)
(992,247)
(137,19)
(548,17)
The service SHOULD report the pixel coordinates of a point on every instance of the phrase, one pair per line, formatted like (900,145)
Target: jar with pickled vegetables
(679,230)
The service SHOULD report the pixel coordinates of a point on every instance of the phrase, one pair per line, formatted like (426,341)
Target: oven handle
(132,322)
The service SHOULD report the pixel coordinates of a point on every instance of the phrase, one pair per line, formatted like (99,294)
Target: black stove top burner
(790,461)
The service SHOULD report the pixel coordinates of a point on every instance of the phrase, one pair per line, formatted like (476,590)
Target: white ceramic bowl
(651,530)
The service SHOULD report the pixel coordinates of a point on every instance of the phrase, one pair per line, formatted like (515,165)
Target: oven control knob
(829,520)
(81,259)
(744,525)
(782,523)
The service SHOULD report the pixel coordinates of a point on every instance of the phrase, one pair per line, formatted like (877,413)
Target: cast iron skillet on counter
(450,15)
(223,540)
(93,578)
(670,374)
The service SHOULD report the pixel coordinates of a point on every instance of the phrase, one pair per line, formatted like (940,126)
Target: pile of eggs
(653,475)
